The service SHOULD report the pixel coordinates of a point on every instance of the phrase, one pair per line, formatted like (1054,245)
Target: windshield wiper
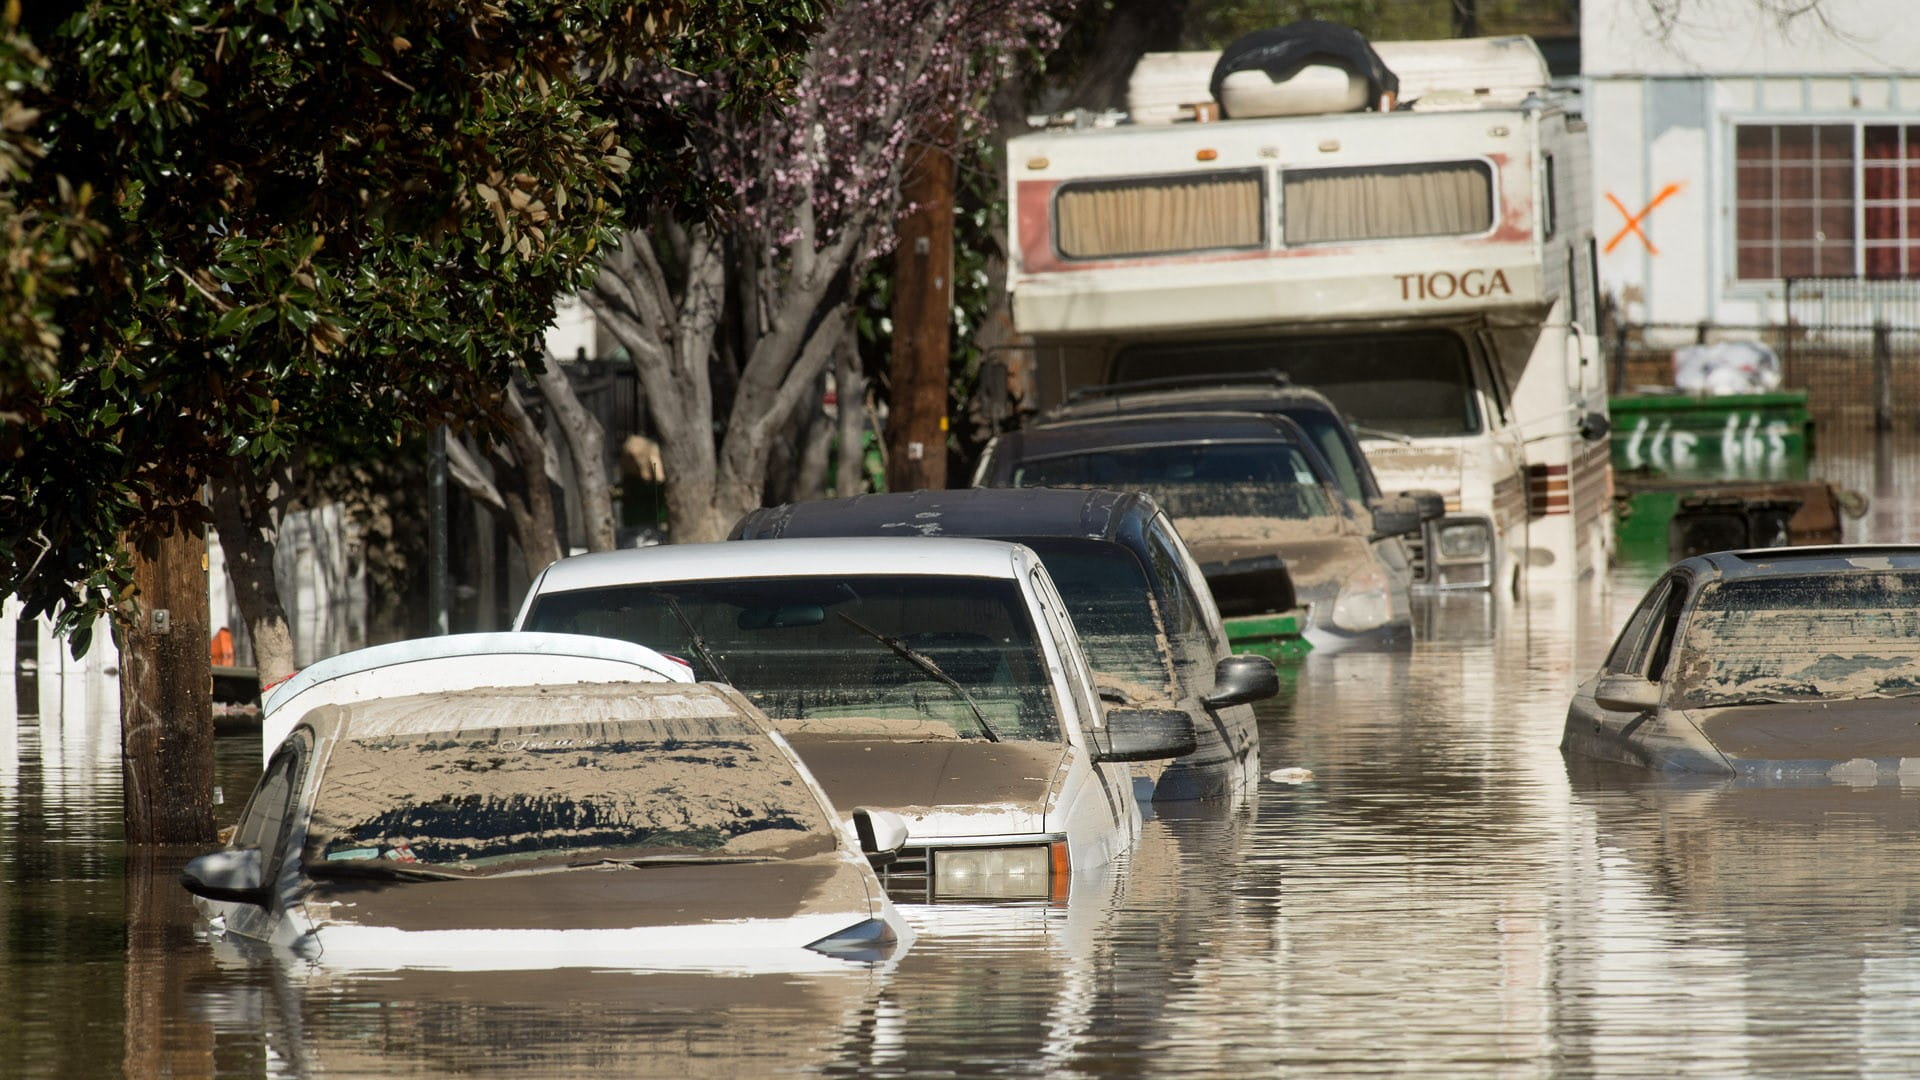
(1368,431)
(926,664)
(700,650)
(674,860)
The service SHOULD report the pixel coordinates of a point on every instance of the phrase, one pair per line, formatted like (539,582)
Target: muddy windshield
(1111,601)
(902,656)
(1416,382)
(1798,639)
(1237,479)
(656,778)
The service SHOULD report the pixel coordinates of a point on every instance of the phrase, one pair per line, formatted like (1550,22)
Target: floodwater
(1447,895)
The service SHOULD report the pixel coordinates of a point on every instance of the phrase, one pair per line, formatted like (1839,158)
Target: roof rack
(1270,377)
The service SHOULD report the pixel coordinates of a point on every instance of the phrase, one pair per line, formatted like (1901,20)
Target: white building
(1734,149)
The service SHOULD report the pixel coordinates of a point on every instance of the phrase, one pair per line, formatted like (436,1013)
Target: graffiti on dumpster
(1747,443)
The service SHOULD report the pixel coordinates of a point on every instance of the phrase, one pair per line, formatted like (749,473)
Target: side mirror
(1595,426)
(1238,680)
(1145,735)
(882,834)
(237,877)
(1626,693)
(1432,504)
(1396,515)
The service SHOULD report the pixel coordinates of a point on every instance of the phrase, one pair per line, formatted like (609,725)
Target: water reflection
(1446,895)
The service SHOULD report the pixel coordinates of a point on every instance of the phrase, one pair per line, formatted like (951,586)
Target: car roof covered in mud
(884,555)
(1816,559)
(1265,392)
(1076,436)
(989,512)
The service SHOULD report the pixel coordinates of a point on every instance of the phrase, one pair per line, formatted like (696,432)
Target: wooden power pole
(922,321)
(166,694)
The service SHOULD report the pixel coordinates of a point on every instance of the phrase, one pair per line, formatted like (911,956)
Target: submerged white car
(618,825)
(940,679)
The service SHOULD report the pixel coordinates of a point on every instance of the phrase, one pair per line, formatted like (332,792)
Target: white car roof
(460,662)
(933,556)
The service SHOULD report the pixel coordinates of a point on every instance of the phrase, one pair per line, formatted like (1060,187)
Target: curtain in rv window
(1387,202)
(1160,215)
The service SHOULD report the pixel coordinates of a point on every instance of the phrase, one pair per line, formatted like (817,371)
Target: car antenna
(926,664)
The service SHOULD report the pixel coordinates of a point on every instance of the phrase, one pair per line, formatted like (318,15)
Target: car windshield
(1824,635)
(1111,601)
(489,782)
(857,655)
(1415,382)
(1225,479)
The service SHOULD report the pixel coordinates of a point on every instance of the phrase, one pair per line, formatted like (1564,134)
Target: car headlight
(1465,540)
(996,873)
(1363,603)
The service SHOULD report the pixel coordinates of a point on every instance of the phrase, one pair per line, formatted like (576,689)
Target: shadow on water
(1444,895)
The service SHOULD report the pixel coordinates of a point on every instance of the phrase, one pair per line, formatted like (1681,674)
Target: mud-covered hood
(943,787)
(1320,554)
(1885,730)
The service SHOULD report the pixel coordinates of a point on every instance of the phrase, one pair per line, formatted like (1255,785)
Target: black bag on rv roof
(1282,51)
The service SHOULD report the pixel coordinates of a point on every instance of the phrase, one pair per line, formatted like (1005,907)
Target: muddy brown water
(1446,896)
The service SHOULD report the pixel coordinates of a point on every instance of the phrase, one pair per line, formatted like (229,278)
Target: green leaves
(327,225)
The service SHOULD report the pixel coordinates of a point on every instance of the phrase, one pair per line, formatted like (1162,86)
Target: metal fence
(1854,346)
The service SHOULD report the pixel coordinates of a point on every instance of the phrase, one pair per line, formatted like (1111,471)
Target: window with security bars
(1830,200)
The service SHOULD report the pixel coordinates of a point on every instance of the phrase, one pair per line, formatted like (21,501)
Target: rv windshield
(1417,383)
(842,654)
(1240,479)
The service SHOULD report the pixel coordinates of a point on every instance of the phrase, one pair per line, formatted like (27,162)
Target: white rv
(1429,268)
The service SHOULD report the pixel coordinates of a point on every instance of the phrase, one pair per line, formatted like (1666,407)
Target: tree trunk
(850,392)
(922,317)
(522,469)
(816,441)
(166,694)
(243,515)
(587,446)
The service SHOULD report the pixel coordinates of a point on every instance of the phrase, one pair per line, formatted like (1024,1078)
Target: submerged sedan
(1774,664)
(629,825)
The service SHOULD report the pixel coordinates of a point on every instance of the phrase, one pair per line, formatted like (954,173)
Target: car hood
(1320,554)
(1814,733)
(943,787)
(1400,467)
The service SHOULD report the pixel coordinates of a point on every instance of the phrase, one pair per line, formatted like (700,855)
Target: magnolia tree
(731,320)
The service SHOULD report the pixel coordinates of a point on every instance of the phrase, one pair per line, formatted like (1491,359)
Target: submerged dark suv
(1273,392)
(1240,487)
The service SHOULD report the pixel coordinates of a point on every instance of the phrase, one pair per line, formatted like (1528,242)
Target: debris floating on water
(1291,776)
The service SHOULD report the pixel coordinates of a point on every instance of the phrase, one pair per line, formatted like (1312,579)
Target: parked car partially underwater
(1136,598)
(937,678)
(616,825)
(1241,487)
(1770,664)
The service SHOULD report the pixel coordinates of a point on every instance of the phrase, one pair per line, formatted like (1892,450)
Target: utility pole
(922,320)
(166,693)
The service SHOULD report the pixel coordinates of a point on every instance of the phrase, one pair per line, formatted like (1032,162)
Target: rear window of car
(1267,479)
(1821,635)
(601,780)
(907,656)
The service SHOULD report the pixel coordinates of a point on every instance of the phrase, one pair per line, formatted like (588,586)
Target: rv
(1426,263)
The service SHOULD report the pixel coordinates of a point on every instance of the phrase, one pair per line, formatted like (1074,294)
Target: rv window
(1414,382)
(1387,202)
(1160,215)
